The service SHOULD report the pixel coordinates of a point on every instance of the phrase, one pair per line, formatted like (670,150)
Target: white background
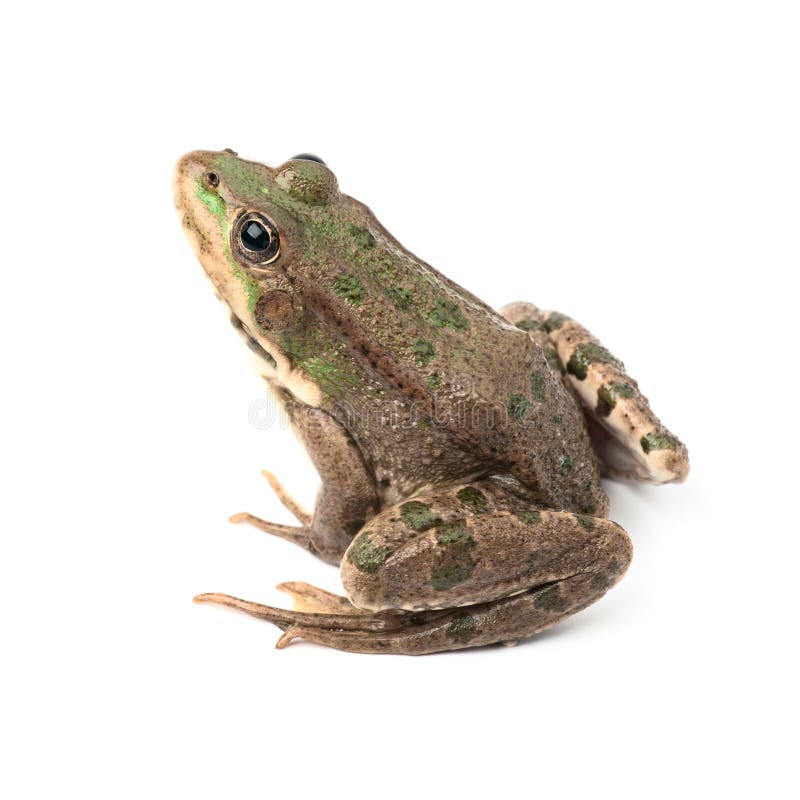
(635,165)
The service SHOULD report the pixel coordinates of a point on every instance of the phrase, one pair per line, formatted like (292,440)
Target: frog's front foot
(301,535)
(326,533)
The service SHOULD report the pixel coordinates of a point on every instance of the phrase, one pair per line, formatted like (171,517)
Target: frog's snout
(190,165)
(184,177)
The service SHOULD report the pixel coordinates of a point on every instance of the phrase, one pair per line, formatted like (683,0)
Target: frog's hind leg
(467,566)
(629,438)
(490,567)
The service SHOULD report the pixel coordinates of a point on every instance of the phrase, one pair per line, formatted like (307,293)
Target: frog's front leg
(346,498)
(629,438)
(467,566)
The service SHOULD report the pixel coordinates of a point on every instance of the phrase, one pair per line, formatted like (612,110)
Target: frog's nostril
(308,157)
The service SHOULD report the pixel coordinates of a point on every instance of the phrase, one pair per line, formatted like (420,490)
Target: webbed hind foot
(628,437)
(502,621)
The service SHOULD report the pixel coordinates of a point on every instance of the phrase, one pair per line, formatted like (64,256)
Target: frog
(460,449)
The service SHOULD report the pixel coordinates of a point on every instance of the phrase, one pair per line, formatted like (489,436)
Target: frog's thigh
(629,438)
(456,548)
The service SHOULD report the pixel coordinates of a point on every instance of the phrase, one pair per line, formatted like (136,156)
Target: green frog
(460,449)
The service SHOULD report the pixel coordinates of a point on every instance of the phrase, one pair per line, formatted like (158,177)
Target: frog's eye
(308,157)
(255,239)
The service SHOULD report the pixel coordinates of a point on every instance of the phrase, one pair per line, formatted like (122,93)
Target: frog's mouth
(249,339)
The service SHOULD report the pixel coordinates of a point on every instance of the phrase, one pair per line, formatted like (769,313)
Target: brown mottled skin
(457,447)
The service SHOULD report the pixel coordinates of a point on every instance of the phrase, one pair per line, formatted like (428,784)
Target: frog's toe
(302,516)
(299,535)
(288,636)
(285,619)
(351,629)
(306,597)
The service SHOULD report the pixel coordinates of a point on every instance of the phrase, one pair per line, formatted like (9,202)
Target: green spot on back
(433,381)
(518,406)
(402,298)
(537,386)
(586,354)
(418,516)
(659,441)
(455,532)
(474,499)
(424,351)
(527,516)
(564,465)
(447,314)
(350,288)
(366,556)
(363,238)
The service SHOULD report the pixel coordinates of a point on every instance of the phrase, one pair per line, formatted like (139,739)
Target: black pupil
(255,236)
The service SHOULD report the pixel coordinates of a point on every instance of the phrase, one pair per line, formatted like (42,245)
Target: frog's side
(456,447)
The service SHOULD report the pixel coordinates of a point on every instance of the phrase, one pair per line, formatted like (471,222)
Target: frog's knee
(616,546)
(524,315)
(605,554)
(364,571)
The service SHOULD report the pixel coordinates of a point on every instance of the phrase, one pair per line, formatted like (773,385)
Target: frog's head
(248,225)
(320,290)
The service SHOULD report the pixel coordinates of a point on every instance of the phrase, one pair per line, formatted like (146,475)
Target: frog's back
(485,397)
